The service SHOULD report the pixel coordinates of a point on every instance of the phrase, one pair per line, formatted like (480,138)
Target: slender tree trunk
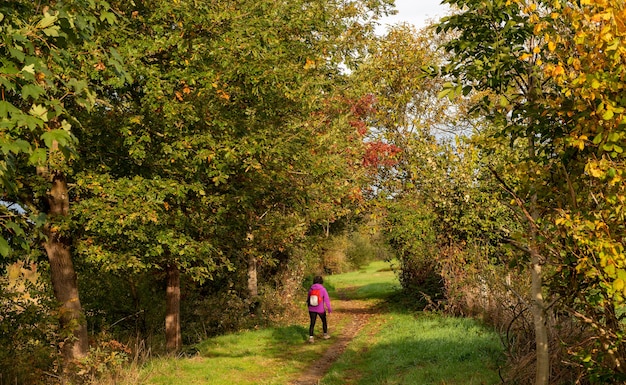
(253,284)
(173,339)
(63,275)
(539,317)
(542,375)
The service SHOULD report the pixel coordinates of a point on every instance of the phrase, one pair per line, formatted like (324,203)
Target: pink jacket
(325,300)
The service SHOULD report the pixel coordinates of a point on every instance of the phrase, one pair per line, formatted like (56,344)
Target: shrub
(29,332)
(363,249)
(106,359)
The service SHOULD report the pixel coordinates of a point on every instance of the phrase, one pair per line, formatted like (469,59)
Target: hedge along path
(356,314)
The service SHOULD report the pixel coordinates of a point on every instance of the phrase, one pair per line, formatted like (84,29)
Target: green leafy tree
(493,38)
(552,67)
(44,82)
(224,143)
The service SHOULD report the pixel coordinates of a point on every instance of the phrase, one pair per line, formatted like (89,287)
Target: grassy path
(372,342)
(354,315)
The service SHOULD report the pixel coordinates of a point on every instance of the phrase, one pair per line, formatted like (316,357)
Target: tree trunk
(253,284)
(173,339)
(63,276)
(542,375)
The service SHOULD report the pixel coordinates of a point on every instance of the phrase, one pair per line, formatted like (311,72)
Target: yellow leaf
(618,284)
(593,170)
(551,46)
(13,271)
(309,64)
(619,21)
(608,115)
(558,70)
(223,95)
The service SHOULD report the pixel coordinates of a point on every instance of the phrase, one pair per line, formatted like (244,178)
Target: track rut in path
(358,312)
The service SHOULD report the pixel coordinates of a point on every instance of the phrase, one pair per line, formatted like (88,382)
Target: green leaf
(9,69)
(31,90)
(108,16)
(443,93)
(17,54)
(38,157)
(608,115)
(60,136)
(39,111)
(14,146)
(17,229)
(39,219)
(29,69)
(47,21)
(52,31)
(20,145)
(7,108)
(5,249)
(597,139)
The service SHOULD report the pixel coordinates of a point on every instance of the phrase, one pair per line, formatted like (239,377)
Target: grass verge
(398,348)
(269,356)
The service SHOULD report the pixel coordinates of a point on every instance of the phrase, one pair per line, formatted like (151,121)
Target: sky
(416,12)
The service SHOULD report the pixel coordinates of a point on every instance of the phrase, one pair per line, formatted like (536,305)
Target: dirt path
(358,314)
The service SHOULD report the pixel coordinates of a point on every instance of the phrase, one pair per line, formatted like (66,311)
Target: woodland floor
(357,314)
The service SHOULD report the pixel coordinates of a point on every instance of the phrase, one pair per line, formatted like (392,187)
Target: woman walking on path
(318,302)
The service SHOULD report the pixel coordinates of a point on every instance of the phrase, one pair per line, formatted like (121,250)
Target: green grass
(268,356)
(425,349)
(396,347)
(373,282)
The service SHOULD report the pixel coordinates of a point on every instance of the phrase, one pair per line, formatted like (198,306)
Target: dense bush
(410,232)
(29,332)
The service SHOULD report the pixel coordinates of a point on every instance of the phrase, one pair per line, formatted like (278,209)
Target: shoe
(311,339)
(326,336)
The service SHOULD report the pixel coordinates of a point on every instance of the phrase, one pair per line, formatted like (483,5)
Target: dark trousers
(313,315)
